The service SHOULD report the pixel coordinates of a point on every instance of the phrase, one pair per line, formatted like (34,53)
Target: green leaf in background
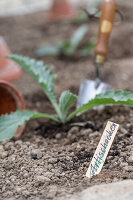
(87,49)
(81,18)
(48,50)
(41,74)
(66,47)
(66,100)
(78,36)
(10,123)
(119,97)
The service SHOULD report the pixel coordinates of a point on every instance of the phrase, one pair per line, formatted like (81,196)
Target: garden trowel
(89,88)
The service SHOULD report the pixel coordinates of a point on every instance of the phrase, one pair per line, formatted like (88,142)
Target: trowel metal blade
(89,89)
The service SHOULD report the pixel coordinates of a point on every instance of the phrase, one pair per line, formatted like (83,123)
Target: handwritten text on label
(102,149)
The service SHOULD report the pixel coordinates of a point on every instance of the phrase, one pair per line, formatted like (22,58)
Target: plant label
(102,149)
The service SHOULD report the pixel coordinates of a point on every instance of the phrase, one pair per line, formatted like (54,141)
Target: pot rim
(20,104)
(15,94)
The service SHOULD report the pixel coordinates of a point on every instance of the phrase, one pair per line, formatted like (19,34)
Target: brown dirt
(50,161)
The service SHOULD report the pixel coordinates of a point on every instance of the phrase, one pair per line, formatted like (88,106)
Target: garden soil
(49,161)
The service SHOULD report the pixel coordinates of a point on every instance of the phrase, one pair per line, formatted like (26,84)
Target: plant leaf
(65,102)
(66,48)
(48,50)
(9,123)
(108,98)
(41,74)
(81,18)
(37,69)
(87,49)
(78,36)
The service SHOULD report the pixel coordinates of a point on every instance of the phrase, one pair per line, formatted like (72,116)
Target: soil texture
(49,161)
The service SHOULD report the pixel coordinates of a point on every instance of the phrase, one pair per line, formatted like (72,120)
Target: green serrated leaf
(78,36)
(41,74)
(65,102)
(10,123)
(37,69)
(48,50)
(119,97)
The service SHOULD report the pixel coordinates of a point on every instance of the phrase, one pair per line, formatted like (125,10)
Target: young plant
(9,123)
(68,47)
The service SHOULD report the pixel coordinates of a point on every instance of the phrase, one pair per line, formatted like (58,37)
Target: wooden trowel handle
(108,11)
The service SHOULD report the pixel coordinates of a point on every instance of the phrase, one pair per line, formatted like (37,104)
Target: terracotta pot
(61,9)
(8,69)
(10,101)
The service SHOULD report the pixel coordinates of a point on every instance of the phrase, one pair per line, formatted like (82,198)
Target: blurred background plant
(68,47)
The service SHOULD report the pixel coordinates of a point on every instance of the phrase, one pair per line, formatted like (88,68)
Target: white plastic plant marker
(102,149)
